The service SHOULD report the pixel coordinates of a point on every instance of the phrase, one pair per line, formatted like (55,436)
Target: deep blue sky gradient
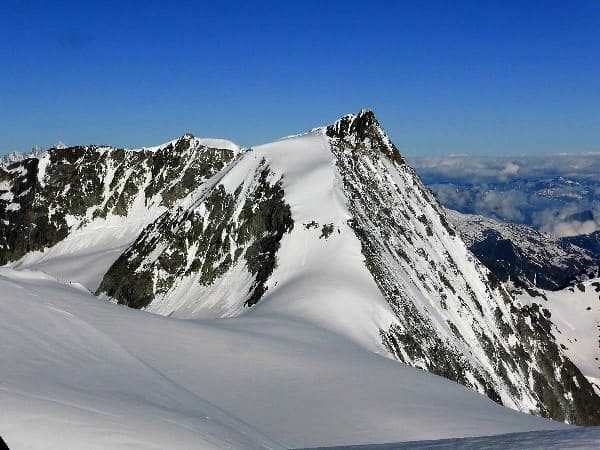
(487,78)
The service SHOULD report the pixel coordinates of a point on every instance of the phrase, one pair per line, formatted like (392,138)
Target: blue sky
(485,78)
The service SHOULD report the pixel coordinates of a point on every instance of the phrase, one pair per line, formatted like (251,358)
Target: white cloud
(543,191)
(559,223)
(474,169)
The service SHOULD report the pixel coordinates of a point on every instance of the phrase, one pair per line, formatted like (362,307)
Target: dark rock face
(403,232)
(79,184)
(364,128)
(26,222)
(207,240)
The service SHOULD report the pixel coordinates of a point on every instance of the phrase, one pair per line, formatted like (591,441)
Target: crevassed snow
(88,374)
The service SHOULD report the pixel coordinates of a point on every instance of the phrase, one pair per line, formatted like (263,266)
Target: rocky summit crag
(332,226)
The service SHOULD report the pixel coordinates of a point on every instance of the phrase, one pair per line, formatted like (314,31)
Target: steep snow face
(453,319)
(86,374)
(320,276)
(93,202)
(575,315)
(522,254)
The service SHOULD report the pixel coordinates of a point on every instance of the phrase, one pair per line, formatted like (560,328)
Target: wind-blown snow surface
(81,373)
(65,383)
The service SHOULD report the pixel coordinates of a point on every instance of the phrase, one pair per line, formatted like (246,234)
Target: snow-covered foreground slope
(80,373)
(575,313)
(66,383)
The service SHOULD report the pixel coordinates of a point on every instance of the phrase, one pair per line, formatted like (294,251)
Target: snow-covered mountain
(329,230)
(14,157)
(522,254)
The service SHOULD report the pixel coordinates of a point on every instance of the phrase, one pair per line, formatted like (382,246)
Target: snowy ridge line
(15,157)
(119,189)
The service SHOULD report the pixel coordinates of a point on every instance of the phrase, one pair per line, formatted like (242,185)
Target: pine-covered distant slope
(330,228)
(589,242)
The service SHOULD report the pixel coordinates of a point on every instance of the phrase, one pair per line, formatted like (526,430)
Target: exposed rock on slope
(575,315)
(43,200)
(454,319)
(205,244)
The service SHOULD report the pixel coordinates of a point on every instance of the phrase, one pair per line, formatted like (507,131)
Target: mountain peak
(364,128)
(360,124)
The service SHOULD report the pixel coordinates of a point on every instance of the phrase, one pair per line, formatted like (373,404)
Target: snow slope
(89,374)
(321,280)
(67,384)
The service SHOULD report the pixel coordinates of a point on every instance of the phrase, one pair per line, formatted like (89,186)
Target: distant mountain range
(526,257)
(559,194)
